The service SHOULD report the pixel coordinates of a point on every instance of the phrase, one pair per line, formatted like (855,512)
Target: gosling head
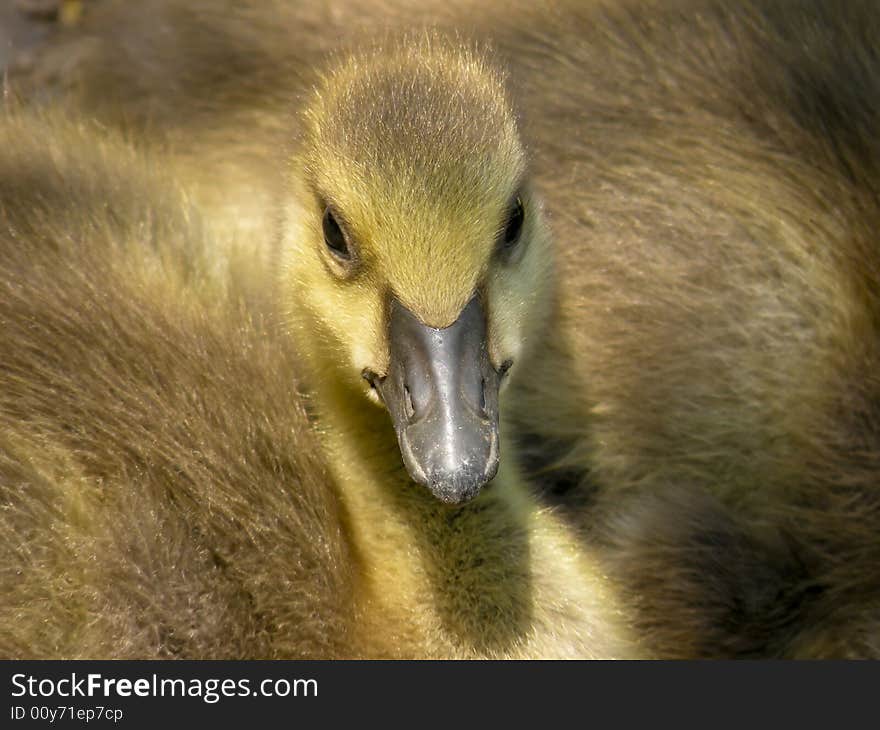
(415,250)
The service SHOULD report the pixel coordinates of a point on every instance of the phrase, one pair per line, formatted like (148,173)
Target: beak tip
(457,486)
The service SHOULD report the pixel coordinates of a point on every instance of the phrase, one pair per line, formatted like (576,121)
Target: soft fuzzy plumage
(161,494)
(703,415)
(713,186)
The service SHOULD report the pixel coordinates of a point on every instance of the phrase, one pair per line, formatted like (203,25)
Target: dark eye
(513,227)
(334,237)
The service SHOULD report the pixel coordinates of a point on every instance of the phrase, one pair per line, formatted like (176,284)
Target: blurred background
(26,25)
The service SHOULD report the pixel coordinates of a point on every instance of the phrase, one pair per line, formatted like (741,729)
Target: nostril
(483,396)
(505,366)
(408,403)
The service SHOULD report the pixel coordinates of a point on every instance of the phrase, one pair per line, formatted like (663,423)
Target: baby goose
(713,217)
(153,442)
(657,374)
(416,268)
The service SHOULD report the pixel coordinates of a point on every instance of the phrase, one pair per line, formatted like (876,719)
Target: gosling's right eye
(334,237)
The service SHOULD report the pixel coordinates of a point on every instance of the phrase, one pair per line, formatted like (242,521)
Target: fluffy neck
(498,577)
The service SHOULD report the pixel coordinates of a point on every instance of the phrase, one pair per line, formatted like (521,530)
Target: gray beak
(442,393)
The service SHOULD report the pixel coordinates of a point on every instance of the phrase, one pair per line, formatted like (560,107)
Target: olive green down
(665,214)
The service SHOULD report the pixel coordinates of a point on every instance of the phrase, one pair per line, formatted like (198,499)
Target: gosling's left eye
(514,225)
